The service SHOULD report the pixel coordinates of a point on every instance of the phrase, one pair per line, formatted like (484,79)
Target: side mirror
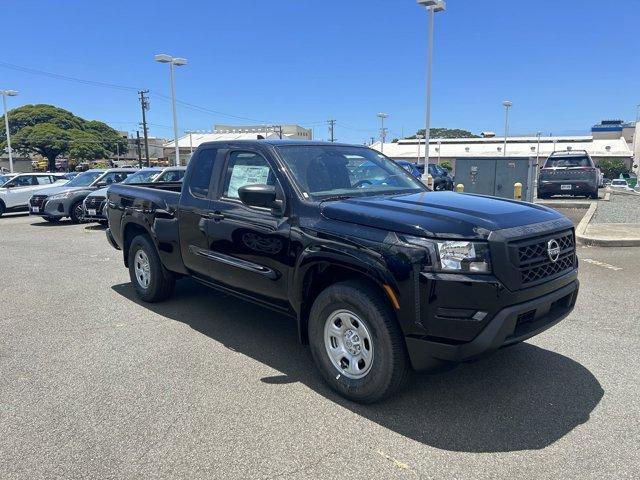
(101,184)
(259,196)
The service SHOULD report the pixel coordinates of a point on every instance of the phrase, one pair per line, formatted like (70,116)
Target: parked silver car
(56,203)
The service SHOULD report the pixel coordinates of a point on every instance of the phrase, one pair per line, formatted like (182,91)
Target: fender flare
(362,262)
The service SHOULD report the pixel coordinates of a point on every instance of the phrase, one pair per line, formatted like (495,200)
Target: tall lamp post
(5,94)
(419,137)
(178,62)
(383,132)
(507,105)
(433,7)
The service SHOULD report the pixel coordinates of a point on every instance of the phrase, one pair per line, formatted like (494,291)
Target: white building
(523,147)
(288,132)
(189,142)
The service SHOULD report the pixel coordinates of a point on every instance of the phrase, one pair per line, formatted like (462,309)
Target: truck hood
(438,214)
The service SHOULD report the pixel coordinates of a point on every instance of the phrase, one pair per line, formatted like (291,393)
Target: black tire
(2,208)
(390,365)
(161,282)
(594,195)
(52,219)
(75,212)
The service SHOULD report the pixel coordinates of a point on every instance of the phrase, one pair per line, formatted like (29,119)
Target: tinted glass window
(203,161)
(115,177)
(24,181)
(171,176)
(568,162)
(142,176)
(84,179)
(246,168)
(324,170)
(43,180)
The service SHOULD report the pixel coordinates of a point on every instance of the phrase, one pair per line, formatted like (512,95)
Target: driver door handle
(215,216)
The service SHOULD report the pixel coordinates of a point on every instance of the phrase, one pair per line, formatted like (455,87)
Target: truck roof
(278,142)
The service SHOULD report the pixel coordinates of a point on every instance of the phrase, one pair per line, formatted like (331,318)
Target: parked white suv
(15,194)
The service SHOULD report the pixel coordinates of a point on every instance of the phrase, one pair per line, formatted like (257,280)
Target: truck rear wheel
(151,280)
(356,342)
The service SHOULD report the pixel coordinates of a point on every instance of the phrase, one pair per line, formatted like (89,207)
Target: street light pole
(419,137)
(507,104)
(433,6)
(5,94)
(173,61)
(383,133)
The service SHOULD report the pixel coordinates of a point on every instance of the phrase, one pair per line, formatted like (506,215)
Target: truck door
(194,211)
(249,246)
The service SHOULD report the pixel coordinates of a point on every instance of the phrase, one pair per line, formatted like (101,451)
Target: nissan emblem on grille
(553,250)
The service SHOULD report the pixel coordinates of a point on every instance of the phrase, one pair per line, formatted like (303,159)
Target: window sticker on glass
(247,175)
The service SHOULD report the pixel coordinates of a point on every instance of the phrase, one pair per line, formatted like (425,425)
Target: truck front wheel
(151,280)
(356,342)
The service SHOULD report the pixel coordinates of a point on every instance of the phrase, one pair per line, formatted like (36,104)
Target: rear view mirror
(258,195)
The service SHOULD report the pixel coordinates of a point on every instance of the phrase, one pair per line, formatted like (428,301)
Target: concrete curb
(576,204)
(584,239)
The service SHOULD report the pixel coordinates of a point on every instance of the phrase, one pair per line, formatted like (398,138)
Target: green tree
(446,164)
(51,131)
(445,133)
(612,168)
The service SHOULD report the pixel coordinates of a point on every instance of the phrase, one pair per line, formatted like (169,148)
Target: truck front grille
(534,262)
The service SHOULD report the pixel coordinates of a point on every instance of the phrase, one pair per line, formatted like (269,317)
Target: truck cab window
(202,161)
(246,168)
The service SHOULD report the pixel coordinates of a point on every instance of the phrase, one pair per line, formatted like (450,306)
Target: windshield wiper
(336,197)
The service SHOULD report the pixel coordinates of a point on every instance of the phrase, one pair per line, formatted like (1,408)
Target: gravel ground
(620,209)
(95,384)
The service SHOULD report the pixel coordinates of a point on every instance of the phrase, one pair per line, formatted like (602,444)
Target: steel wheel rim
(142,268)
(349,344)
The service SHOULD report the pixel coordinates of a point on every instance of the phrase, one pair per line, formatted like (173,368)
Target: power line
(68,78)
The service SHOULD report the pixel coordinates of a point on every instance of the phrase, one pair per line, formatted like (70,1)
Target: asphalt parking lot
(94,384)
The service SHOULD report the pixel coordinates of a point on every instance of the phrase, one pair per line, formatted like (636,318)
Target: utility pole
(144,103)
(138,148)
(332,124)
(383,131)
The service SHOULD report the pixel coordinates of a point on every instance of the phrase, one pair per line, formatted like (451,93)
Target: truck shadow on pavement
(521,398)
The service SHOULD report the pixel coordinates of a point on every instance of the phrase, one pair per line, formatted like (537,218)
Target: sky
(565,65)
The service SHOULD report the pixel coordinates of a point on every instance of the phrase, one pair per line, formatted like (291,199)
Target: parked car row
(54,196)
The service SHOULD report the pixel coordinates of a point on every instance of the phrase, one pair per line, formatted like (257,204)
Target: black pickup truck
(381,274)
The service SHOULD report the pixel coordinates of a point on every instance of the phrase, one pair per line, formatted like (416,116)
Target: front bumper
(509,325)
(52,209)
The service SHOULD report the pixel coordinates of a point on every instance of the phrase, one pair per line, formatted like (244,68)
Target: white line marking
(601,264)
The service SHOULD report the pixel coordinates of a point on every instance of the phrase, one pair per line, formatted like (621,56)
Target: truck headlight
(462,256)
(454,256)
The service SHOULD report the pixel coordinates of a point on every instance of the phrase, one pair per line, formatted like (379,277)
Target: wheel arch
(129,232)
(320,273)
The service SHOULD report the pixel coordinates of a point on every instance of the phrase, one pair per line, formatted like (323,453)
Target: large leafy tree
(51,131)
(445,133)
